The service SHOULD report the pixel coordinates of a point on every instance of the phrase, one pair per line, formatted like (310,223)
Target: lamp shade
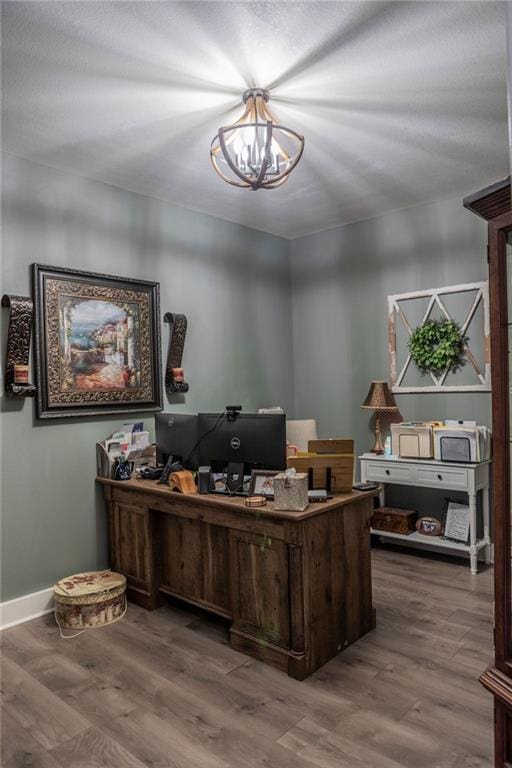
(380,398)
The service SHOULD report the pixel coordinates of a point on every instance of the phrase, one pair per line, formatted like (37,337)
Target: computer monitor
(255,439)
(176,436)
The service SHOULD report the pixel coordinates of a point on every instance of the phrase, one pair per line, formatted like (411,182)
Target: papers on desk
(131,442)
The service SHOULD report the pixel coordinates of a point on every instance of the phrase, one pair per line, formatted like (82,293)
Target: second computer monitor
(176,435)
(257,440)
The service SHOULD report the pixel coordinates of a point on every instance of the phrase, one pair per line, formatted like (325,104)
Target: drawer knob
(387,471)
(439,477)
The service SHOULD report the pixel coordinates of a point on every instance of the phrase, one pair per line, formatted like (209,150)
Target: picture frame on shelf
(262,482)
(97,343)
(456,526)
(429,526)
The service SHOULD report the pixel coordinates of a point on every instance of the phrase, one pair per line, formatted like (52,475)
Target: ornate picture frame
(97,343)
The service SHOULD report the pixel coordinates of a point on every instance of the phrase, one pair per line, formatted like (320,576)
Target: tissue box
(291,492)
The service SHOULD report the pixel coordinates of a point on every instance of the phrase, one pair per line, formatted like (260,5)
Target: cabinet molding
(494,205)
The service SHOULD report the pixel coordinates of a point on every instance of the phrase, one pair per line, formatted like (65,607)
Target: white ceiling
(400,103)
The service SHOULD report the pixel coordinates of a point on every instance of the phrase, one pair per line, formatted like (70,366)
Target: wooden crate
(341,466)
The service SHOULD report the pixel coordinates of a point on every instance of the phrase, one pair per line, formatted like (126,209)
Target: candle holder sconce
(174,376)
(21,315)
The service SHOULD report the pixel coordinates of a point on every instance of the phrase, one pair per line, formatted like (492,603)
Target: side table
(425,473)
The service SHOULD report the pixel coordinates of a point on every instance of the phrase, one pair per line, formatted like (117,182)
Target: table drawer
(443,478)
(384,472)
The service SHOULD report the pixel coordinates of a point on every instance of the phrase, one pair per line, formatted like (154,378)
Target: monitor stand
(235,477)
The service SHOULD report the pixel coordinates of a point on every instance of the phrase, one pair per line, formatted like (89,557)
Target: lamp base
(378,448)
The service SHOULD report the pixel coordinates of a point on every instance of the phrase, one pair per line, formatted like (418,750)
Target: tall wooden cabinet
(494,205)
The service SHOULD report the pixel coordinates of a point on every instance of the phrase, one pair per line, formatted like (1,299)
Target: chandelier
(256,152)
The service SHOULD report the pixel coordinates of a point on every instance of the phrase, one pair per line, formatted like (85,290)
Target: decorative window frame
(395,313)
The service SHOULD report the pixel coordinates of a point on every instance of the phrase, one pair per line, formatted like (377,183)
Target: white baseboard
(25,608)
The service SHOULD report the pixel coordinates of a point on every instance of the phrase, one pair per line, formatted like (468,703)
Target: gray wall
(341,279)
(247,308)
(231,282)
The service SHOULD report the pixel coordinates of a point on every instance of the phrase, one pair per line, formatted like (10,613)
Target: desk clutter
(451,440)
(230,454)
(125,452)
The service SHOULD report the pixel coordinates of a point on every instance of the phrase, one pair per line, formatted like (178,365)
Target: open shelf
(429,541)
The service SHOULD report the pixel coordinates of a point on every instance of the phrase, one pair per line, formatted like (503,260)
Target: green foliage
(437,346)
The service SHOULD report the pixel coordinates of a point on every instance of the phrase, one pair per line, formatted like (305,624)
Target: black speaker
(205,482)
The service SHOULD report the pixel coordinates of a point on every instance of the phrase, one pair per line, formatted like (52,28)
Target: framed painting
(97,343)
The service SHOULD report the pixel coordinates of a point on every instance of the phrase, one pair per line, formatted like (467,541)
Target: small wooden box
(394,520)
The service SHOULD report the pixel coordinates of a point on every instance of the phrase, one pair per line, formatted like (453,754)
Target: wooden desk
(296,585)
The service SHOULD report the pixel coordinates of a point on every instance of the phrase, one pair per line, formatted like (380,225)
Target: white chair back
(300,431)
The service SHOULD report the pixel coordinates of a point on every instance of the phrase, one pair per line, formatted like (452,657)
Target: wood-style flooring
(165,690)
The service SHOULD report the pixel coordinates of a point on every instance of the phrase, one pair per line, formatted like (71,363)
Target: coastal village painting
(99,343)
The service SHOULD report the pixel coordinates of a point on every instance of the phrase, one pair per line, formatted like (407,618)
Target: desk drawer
(387,472)
(443,478)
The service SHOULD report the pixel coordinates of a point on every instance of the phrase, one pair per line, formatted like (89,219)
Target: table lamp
(379,399)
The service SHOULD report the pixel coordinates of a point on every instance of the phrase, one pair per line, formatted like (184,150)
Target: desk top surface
(235,502)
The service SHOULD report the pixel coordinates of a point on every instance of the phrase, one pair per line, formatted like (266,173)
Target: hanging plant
(437,346)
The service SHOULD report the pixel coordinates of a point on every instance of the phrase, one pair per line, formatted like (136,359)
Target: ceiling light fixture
(256,152)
